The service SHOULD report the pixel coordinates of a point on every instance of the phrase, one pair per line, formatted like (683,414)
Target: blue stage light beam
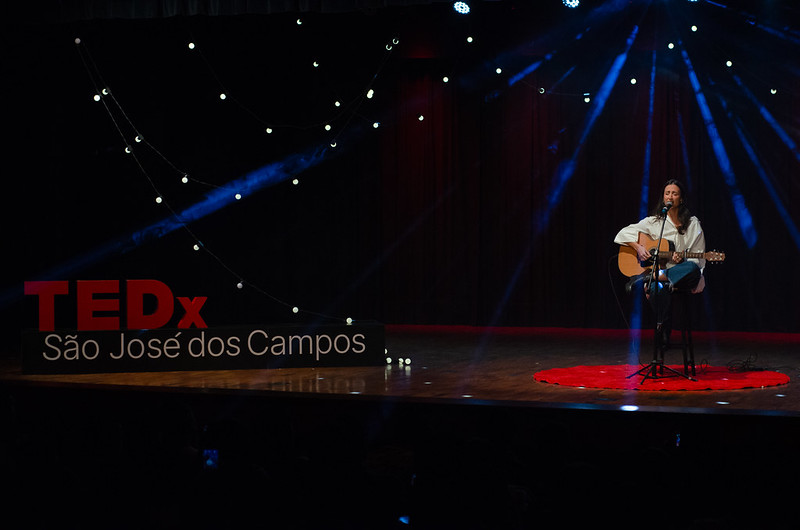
(566,168)
(770,119)
(753,20)
(765,178)
(636,309)
(743,216)
(687,169)
(250,183)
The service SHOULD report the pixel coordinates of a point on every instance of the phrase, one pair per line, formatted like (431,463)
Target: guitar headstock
(714,256)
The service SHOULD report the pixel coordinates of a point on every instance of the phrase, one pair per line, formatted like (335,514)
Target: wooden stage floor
(463,437)
(487,366)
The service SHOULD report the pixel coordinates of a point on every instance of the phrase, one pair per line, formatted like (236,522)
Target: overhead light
(461,7)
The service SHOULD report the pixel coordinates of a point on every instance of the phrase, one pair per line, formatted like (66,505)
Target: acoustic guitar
(628,259)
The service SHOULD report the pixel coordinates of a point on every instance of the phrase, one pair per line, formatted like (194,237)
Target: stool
(656,368)
(686,344)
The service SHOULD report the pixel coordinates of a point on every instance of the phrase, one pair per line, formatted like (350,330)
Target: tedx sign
(122,326)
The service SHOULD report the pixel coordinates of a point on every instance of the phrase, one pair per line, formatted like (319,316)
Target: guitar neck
(668,254)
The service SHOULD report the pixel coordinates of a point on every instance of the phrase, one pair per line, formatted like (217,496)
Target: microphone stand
(655,369)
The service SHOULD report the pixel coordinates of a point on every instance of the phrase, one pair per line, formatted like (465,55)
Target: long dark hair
(684,216)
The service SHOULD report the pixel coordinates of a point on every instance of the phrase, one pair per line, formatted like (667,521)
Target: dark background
(460,218)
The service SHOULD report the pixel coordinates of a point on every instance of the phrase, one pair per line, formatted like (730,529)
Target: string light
(184,176)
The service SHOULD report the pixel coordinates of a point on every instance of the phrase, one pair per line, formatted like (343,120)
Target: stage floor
(463,437)
(454,364)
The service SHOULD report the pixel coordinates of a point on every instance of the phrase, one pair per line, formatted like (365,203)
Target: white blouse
(692,240)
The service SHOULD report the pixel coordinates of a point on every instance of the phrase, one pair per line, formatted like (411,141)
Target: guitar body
(629,263)
(628,259)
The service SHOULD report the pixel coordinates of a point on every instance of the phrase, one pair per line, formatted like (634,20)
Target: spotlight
(571,3)
(461,7)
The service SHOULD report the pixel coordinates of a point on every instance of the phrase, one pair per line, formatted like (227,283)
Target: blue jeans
(684,275)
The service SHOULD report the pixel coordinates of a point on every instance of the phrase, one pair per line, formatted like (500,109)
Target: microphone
(667,206)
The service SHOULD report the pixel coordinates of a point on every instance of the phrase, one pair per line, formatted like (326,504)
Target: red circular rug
(622,377)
